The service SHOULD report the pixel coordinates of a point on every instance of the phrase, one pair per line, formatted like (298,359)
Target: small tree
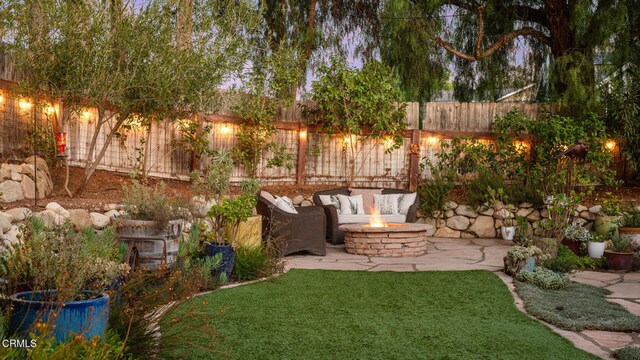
(358,105)
(124,60)
(265,87)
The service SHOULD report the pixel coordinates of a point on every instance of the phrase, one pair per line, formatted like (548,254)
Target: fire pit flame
(375,221)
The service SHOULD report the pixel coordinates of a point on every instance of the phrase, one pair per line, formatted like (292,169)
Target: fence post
(302,154)
(414,159)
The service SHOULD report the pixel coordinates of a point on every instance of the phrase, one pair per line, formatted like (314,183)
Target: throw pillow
(351,204)
(367,197)
(386,204)
(330,200)
(267,196)
(405,201)
(285,204)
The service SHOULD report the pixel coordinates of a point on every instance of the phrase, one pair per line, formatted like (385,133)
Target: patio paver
(486,254)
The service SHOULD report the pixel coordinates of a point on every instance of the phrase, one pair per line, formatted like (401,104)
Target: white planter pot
(596,249)
(508,232)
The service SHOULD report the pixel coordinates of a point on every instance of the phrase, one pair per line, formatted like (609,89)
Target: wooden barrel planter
(147,246)
(88,318)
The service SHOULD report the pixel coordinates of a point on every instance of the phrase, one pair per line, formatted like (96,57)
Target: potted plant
(152,224)
(576,238)
(610,215)
(499,200)
(629,225)
(228,214)
(619,255)
(596,246)
(57,280)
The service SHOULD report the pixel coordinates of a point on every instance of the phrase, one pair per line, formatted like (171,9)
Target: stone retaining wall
(463,221)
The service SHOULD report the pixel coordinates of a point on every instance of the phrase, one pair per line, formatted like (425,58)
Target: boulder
(19,213)
(58,210)
(5,173)
(467,235)
(498,205)
(99,221)
(526,205)
(458,222)
(587,215)
(13,235)
(449,214)
(297,200)
(45,185)
(40,163)
(431,222)
(11,191)
(5,222)
(581,208)
(27,169)
(534,216)
(503,214)
(80,218)
(467,211)
(447,233)
(28,187)
(306,203)
(112,214)
(483,227)
(595,209)
(544,213)
(438,214)
(579,221)
(524,212)
(450,205)
(488,211)
(15,176)
(48,217)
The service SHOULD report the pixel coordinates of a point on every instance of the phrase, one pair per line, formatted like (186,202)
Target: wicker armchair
(304,231)
(334,234)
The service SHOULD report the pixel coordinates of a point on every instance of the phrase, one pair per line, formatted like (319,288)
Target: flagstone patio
(487,254)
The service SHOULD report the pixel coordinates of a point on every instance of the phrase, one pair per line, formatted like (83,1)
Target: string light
(432,140)
(610,144)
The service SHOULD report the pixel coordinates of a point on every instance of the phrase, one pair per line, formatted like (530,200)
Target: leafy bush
(154,203)
(630,219)
(518,255)
(567,261)
(627,353)
(433,192)
(251,263)
(543,278)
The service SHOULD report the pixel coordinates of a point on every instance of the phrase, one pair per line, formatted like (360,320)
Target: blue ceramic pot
(84,317)
(228,258)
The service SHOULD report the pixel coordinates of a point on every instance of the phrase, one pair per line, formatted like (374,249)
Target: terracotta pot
(632,232)
(617,260)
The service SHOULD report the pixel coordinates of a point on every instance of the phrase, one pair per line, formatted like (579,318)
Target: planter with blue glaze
(227,261)
(84,317)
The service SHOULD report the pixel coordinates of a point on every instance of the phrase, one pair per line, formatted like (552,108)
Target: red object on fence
(61,141)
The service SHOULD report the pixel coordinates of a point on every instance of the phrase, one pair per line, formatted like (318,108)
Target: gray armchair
(304,231)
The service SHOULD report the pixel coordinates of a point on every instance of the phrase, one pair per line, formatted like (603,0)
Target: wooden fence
(318,159)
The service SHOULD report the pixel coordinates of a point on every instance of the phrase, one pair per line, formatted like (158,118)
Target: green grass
(577,307)
(315,314)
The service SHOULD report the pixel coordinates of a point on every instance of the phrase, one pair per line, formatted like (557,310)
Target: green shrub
(543,278)
(251,263)
(627,353)
(567,261)
(518,255)
(433,192)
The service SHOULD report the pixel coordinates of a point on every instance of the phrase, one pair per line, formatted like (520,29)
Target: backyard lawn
(315,314)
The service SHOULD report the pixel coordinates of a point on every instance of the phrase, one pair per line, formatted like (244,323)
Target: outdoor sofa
(334,219)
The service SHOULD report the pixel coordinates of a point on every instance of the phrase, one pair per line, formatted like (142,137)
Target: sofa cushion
(285,204)
(405,201)
(351,204)
(386,204)
(367,197)
(364,219)
(330,200)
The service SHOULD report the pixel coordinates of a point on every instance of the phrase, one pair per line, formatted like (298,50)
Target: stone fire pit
(392,240)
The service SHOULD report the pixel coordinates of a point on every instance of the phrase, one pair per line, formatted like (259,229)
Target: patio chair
(304,231)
